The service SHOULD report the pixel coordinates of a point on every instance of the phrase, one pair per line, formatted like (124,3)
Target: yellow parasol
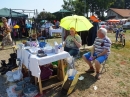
(16,27)
(80,23)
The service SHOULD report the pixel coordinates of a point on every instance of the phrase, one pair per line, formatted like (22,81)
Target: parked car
(126,25)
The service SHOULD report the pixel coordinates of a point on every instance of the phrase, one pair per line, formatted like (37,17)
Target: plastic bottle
(56,47)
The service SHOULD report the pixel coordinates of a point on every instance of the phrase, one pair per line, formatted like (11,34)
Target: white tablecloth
(51,31)
(33,63)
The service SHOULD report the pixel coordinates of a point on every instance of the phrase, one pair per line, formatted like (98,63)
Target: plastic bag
(10,91)
(70,61)
(13,76)
(17,75)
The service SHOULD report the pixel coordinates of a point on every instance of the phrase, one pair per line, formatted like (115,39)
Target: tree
(68,5)
(127,4)
(99,6)
(45,16)
(118,4)
(77,6)
(95,6)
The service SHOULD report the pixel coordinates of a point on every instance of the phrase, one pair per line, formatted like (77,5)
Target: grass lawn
(115,82)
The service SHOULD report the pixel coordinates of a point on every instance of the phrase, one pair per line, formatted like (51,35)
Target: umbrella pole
(62,36)
(75,23)
(83,45)
(13,39)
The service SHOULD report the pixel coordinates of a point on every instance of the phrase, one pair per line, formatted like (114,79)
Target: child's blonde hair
(73,29)
(4,19)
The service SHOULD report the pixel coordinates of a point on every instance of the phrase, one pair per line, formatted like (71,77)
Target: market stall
(55,31)
(32,62)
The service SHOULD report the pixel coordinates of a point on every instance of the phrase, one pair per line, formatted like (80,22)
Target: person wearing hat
(72,42)
(101,47)
(7,40)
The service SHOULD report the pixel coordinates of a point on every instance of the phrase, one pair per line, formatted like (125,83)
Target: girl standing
(7,40)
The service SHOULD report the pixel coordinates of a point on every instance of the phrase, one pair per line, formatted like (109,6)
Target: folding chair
(103,65)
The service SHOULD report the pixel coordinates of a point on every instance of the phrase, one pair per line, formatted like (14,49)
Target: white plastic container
(56,47)
(48,49)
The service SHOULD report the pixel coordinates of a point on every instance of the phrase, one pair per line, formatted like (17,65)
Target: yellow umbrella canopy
(16,27)
(80,23)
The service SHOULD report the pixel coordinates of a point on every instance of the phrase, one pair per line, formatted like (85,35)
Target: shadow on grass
(81,85)
(86,83)
(54,92)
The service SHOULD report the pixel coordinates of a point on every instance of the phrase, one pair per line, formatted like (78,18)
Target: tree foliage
(77,6)
(81,6)
(127,4)
(121,4)
(118,4)
(45,16)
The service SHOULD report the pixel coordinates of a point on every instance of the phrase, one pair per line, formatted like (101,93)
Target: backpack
(46,72)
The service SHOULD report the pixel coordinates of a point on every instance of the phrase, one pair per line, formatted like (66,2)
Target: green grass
(124,93)
(121,83)
(127,31)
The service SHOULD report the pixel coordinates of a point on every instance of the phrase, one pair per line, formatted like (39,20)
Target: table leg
(35,80)
(58,70)
(40,85)
(62,70)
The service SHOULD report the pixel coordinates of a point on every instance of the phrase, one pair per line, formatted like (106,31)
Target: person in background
(48,24)
(7,40)
(57,24)
(117,34)
(0,30)
(72,42)
(32,41)
(101,46)
(54,22)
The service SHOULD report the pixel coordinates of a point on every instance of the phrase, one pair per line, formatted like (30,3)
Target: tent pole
(12,26)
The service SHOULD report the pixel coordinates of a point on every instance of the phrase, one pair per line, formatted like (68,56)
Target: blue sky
(48,5)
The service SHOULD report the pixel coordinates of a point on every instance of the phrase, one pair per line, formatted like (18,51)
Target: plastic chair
(42,41)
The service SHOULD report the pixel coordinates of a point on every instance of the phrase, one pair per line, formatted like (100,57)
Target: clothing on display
(9,22)
(22,30)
